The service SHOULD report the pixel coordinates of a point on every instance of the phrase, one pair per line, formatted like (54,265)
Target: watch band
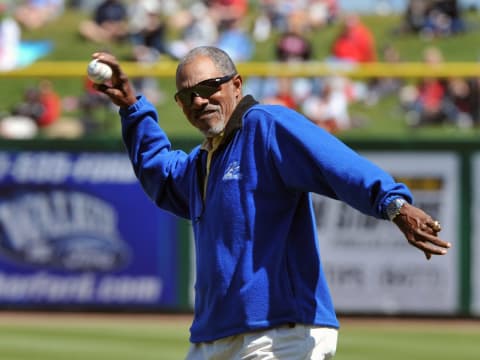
(393,208)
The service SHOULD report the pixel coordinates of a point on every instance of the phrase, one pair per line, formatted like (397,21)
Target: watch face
(393,209)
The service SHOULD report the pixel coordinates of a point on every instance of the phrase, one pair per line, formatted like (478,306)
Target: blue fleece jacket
(257,252)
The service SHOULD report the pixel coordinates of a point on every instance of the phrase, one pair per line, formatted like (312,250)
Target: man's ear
(238,82)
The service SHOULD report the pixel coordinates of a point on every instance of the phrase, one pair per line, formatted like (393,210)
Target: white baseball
(98,72)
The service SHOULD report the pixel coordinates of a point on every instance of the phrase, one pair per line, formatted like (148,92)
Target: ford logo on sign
(90,253)
(61,229)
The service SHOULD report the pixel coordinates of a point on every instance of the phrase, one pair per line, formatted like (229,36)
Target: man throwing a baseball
(260,291)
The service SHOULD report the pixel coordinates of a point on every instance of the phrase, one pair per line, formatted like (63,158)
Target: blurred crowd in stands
(437,101)
(431,18)
(240,27)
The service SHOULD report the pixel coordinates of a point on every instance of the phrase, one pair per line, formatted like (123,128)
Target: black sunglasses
(204,89)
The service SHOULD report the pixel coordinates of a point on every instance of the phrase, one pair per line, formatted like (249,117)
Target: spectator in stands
(42,104)
(433,18)
(426,102)
(92,104)
(384,86)
(34,14)
(197,25)
(415,16)
(355,42)
(51,104)
(291,47)
(147,33)
(463,95)
(277,16)
(17,127)
(10,37)
(228,10)
(329,109)
(262,24)
(235,39)
(444,18)
(320,13)
(283,94)
(108,24)
(147,30)
(474,100)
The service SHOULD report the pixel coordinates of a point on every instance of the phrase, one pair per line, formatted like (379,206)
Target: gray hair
(220,58)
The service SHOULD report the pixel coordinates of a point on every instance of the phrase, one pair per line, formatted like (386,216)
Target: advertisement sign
(370,266)
(77,229)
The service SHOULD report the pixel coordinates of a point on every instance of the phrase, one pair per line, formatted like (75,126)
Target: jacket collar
(234,123)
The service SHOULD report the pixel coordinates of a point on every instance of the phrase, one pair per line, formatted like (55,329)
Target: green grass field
(131,337)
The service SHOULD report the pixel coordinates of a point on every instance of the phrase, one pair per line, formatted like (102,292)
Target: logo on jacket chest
(232,172)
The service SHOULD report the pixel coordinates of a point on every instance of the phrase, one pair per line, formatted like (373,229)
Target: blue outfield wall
(77,232)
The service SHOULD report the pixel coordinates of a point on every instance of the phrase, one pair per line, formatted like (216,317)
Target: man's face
(208,114)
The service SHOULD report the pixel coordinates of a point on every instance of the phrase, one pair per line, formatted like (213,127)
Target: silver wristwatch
(393,208)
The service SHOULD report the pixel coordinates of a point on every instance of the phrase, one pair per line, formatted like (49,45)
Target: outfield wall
(370,266)
(77,231)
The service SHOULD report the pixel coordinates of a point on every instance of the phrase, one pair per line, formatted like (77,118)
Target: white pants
(300,342)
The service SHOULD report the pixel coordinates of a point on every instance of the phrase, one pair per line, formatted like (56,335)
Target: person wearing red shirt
(51,104)
(355,42)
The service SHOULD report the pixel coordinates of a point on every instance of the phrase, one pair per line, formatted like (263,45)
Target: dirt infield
(11,317)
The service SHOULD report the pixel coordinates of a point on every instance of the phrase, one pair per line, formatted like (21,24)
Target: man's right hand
(118,89)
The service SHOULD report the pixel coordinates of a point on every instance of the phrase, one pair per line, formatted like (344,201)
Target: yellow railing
(167,69)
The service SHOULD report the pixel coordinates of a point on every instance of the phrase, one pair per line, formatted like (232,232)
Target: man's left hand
(421,230)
